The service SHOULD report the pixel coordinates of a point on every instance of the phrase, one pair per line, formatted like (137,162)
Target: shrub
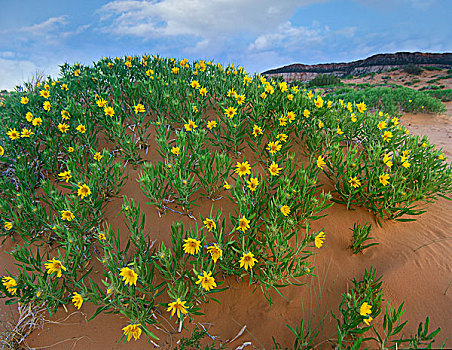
(324,80)
(412,68)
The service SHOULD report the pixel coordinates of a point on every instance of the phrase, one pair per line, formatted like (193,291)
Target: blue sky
(257,34)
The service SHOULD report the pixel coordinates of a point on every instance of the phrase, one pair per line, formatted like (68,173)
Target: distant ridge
(375,63)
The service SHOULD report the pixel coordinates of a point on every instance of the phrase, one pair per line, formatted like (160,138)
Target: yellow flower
(244,224)
(46,105)
(310,94)
(283,121)
(83,191)
(190,126)
(273,147)
(329,104)
(13,134)
(283,87)
(149,72)
(10,284)
(191,246)
(132,330)
(98,156)
(215,252)
(381,125)
(129,276)
(63,127)
(318,240)
(37,121)
(361,107)
(175,151)
(365,309)
(195,84)
(128,64)
(384,179)
(231,93)
(209,224)
(77,72)
(226,185)
(321,162)
(263,95)
(320,124)
(285,210)
(253,183)
(290,97)
(256,130)
(109,111)
(291,116)
(195,109)
(54,265)
(64,87)
(441,157)
(65,115)
(81,128)
(274,169)
(282,137)
(101,237)
(65,175)
(139,108)
(207,281)
(318,102)
(2,151)
(240,99)
(243,168)
(406,164)
(211,124)
(247,260)
(354,182)
(175,70)
(178,307)
(395,121)
(203,91)
(29,117)
(387,135)
(353,118)
(350,107)
(306,113)
(230,112)
(101,102)
(77,300)
(339,131)
(44,93)
(66,215)
(24,100)
(70,149)
(387,159)
(368,320)
(26,133)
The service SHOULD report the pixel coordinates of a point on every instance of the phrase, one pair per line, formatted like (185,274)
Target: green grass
(391,100)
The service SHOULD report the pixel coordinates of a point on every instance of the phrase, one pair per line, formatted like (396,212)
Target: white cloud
(289,38)
(206,19)
(45,27)
(15,72)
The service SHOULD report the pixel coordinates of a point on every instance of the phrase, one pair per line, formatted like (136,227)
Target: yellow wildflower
(248,260)
(206,281)
(178,307)
(191,246)
(129,276)
(54,265)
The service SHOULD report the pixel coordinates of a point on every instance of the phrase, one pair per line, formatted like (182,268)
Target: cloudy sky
(257,34)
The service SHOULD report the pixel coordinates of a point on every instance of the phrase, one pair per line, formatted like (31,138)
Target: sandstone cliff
(376,63)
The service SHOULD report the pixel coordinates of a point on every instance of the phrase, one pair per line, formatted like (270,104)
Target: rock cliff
(376,63)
